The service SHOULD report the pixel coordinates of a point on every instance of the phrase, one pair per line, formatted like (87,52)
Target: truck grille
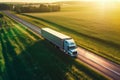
(74,53)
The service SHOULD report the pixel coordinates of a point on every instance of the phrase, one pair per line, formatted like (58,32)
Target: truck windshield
(72,47)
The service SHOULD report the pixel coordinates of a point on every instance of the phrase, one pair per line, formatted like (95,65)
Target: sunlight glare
(106,4)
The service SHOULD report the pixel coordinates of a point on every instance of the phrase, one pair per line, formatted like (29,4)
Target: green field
(26,56)
(92,28)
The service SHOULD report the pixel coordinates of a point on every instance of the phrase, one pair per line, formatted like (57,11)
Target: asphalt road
(96,62)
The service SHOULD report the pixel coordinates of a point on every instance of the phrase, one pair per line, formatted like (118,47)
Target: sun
(100,0)
(106,4)
(105,0)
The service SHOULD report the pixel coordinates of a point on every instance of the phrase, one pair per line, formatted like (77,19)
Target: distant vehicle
(64,42)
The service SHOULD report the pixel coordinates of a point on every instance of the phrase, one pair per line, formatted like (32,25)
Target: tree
(1,15)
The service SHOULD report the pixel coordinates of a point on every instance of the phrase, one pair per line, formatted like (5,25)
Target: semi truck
(63,42)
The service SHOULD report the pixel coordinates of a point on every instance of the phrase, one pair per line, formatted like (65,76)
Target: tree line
(40,8)
(27,8)
(4,6)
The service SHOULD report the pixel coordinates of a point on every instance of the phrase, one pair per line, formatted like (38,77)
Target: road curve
(96,62)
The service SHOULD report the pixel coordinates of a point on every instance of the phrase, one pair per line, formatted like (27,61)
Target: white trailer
(64,42)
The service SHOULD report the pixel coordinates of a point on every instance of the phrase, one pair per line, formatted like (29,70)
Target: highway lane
(102,65)
(29,25)
(96,62)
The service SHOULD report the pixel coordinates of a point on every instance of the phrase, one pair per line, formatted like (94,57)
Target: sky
(49,0)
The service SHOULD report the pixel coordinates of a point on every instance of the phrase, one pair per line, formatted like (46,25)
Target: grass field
(25,56)
(92,28)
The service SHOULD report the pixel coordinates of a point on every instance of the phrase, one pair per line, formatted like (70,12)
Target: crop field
(92,28)
(26,56)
